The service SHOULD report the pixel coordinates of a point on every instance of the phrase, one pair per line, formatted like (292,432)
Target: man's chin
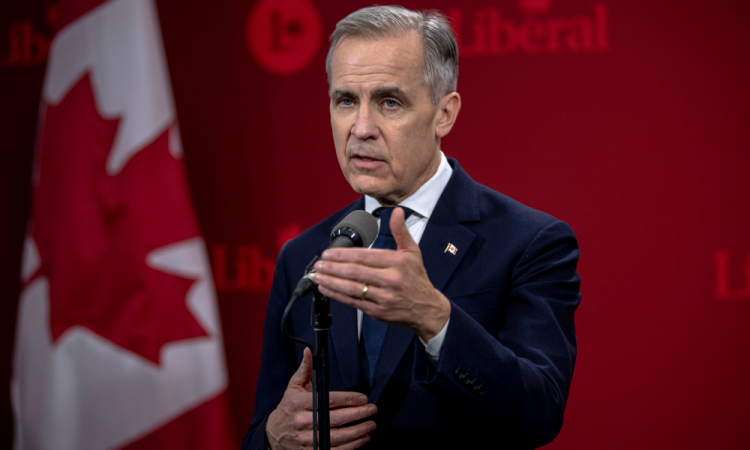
(367,187)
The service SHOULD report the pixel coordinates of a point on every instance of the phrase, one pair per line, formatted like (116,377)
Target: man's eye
(346,102)
(390,103)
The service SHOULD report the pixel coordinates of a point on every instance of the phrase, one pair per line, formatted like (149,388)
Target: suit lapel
(443,230)
(457,204)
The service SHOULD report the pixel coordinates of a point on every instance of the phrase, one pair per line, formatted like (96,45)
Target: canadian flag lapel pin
(452,249)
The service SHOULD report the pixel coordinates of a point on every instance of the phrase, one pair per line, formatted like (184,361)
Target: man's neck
(424,199)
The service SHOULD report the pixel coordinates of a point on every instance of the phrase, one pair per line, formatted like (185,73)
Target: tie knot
(385,218)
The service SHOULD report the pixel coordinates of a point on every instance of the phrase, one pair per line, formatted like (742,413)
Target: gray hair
(440,47)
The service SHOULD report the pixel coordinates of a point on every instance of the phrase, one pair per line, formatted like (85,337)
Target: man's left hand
(398,289)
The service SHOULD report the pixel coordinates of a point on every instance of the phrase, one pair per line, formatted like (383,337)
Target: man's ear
(448,112)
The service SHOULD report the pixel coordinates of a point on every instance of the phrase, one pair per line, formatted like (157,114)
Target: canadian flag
(118,339)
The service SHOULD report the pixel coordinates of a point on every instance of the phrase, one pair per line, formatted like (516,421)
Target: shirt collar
(424,200)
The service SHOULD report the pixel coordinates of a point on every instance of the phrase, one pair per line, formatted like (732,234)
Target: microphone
(358,229)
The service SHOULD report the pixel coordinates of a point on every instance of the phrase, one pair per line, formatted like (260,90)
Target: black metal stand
(321,323)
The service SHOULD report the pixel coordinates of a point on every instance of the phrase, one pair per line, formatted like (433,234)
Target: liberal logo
(490,31)
(27,45)
(284,35)
(245,268)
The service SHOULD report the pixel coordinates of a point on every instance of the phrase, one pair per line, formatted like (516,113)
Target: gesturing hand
(399,290)
(289,426)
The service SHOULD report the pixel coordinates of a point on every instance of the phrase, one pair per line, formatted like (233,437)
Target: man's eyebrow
(338,93)
(378,92)
(389,91)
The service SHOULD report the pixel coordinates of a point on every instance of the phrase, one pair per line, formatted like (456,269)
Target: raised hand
(399,290)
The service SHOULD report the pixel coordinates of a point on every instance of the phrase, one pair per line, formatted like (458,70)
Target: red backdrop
(628,120)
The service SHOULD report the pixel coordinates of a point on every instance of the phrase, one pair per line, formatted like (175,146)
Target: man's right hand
(289,426)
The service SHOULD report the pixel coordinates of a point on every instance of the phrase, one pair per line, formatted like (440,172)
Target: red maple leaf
(93,231)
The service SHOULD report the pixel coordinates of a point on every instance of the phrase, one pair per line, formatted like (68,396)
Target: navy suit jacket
(506,364)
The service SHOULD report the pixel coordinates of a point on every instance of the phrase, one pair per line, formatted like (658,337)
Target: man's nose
(364,126)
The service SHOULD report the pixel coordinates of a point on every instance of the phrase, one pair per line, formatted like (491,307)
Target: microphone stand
(358,229)
(321,323)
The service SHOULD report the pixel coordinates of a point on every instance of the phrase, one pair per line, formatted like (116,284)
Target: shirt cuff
(434,345)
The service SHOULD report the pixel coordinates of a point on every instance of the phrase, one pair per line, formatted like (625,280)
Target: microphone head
(364,224)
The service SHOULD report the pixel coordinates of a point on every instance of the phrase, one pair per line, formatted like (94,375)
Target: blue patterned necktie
(373,332)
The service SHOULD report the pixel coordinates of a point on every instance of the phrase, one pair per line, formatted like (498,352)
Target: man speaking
(455,329)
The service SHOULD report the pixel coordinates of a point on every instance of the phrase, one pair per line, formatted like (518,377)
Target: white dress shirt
(422,203)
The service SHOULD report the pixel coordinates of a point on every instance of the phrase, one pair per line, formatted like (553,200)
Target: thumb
(303,375)
(400,233)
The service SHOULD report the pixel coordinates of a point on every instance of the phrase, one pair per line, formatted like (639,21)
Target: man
(478,295)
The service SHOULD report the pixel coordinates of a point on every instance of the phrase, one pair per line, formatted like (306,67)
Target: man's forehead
(383,63)
(396,35)
(406,47)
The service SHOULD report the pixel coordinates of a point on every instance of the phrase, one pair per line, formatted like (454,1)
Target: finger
(371,257)
(344,416)
(337,399)
(368,305)
(303,375)
(354,444)
(346,275)
(401,234)
(350,293)
(303,419)
(340,437)
(328,285)
(306,442)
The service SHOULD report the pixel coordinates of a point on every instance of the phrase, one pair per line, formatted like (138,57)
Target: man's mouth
(365,158)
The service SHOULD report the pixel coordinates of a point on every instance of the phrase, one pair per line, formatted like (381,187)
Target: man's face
(384,124)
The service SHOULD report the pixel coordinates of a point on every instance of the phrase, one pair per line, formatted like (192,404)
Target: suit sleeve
(520,375)
(278,362)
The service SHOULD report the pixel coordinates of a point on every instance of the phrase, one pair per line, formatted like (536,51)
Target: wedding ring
(364,291)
